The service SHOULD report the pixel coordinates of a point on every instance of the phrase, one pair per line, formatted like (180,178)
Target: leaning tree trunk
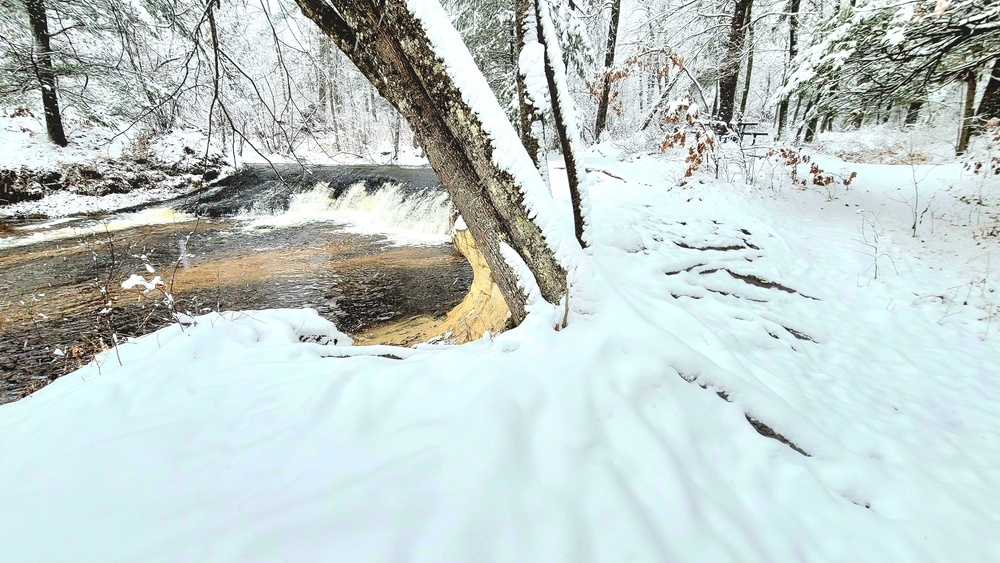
(729,73)
(793,51)
(43,71)
(659,103)
(609,62)
(391,47)
(812,126)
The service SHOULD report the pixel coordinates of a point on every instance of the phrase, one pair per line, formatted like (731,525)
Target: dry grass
(31,387)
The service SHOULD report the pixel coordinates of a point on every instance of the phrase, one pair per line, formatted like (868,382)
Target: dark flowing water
(61,300)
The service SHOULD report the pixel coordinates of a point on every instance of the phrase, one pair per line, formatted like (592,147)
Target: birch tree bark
(968,112)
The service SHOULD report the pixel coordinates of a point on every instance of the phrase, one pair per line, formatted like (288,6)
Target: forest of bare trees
(258,72)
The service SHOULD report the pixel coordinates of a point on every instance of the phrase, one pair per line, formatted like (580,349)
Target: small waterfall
(408,215)
(395,210)
(406,204)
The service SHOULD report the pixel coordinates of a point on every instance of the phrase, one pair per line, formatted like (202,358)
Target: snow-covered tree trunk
(42,61)
(416,60)
(323,82)
(748,75)
(565,118)
(530,116)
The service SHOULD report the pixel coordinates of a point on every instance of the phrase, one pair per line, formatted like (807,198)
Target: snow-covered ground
(265,436)
(24,146)
(23,142)
(320,149)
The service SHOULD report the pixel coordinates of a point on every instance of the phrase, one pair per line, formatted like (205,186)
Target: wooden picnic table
(741,129)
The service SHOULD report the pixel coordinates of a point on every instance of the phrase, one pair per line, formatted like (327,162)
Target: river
(363,245)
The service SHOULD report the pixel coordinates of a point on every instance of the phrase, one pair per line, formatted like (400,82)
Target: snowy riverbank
(97,172)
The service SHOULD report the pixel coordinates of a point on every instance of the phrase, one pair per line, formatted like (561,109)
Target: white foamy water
(47,232)
(420,218)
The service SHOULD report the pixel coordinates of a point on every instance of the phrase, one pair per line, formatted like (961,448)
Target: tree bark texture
(609,63)
(42,61)
(323,79)
(793,50)
(730,66)
(391,48)
(812,125)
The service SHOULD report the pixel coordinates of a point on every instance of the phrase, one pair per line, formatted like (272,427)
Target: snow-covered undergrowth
(24,142)
(264,436)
